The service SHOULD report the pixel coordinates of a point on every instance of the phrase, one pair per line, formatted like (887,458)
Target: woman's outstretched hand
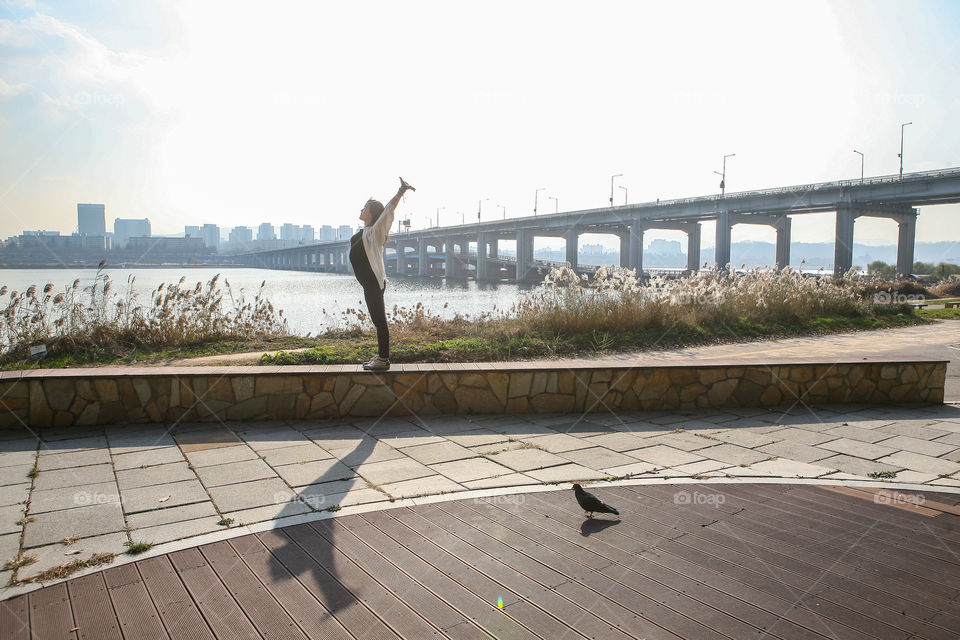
(404,186)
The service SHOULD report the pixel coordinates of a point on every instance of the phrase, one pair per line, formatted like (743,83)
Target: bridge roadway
(446,252)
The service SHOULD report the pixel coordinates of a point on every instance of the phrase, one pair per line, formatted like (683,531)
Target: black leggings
(378,313)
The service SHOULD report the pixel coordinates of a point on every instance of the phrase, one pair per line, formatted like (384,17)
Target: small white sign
(38,350)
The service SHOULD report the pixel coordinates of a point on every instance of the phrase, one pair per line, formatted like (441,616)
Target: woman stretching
(366,256)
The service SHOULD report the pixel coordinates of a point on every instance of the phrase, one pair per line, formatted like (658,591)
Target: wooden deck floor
(686,561)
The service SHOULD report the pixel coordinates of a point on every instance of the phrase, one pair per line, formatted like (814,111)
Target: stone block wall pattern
(64,397)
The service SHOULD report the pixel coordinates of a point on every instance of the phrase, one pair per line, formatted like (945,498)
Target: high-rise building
(344,232)
(211,236)
(91,220)
(241,235)
(193,231)
(124,228)
(327,233)
(265,232)
(306,234)
(289,232)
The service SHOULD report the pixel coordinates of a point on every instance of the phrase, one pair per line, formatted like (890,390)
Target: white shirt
(374,239)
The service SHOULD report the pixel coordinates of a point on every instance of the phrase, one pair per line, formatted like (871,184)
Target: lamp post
(861,165)
(556,204)
(723,176)
(624,194)
(612,178)
(535,195)
(480,208)
(900,155)
(438,215)
(504,210)
(462,219)
(429,221)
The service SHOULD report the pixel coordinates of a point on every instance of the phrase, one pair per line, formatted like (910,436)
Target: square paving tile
(428,485)
(261,440)
(916,445)
(9,517)
(800,436)
(9,547)
(97,519)
(743,438)
(177,530)
(369,451)
(58,554)
(565,473)
(597,458)
(560,442)
(477,437)
(921,463)
(527,459)
(682,440)
(856,466)
(307,452)
(247,495)
(857,448)
(444,451)
(139,440)
(159,474)
(732,454)
(60,447)
(75,477)
(411,439)
(508,480)
(472,469)
(300,475)
(796,451)
(632,469)
(791,469)
(82,496)
(235,472)
(664,456)
(380,473)
(204,436)
(221,455)
(18,458)
(158,517)
(267,512)
(13,494)
(856,433)
(162,496)
(73,459)
(147,458)
(356,496)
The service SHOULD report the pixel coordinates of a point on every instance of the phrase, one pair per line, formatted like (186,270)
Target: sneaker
(377,364)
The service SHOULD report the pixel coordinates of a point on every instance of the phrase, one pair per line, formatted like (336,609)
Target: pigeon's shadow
(593,525)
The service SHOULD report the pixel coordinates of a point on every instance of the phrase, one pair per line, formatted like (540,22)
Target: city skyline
(164,113)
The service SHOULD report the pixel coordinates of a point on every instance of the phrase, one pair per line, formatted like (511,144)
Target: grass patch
(16,563)
(67,570)
(133,548)
(225,522)
(939,314)
(882,475)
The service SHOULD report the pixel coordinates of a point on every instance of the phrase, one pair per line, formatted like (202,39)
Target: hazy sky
(239,113)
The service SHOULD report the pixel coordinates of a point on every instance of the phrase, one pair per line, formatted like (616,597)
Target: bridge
(447,251)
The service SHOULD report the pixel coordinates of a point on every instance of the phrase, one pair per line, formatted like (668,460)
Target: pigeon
(591,503)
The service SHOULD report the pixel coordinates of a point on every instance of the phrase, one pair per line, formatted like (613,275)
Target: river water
(310,301)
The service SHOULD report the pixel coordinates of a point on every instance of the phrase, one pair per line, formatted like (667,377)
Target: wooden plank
(306,611)
(483,613)
(257,602)
(218,608)
(15,618)
(135,611)
(387,606)
(426,603)
(50,613)
(93,609)
(177,610)
(323,586)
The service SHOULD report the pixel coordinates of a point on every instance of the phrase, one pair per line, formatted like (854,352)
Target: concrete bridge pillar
(636,247)
(423,262)
(693,247)
(624,235)
(843,242)
(906,240)
(345,260)
(401,259)
(450,259)
(572,238)
(492,247)
(524,252)
(483,267)
(783,242)
(722,256)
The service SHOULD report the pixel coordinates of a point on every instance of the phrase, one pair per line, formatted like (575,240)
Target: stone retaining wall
(64,397)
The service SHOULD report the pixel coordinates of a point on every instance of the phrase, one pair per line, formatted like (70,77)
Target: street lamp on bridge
(723,176)
(624,194)
(612,178)
(504,207)
(556,205)
(480,207)
(438,215)
(535,196)
(861,165)
(900,155)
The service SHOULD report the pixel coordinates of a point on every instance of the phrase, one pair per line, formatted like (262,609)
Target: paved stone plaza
(78,491)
